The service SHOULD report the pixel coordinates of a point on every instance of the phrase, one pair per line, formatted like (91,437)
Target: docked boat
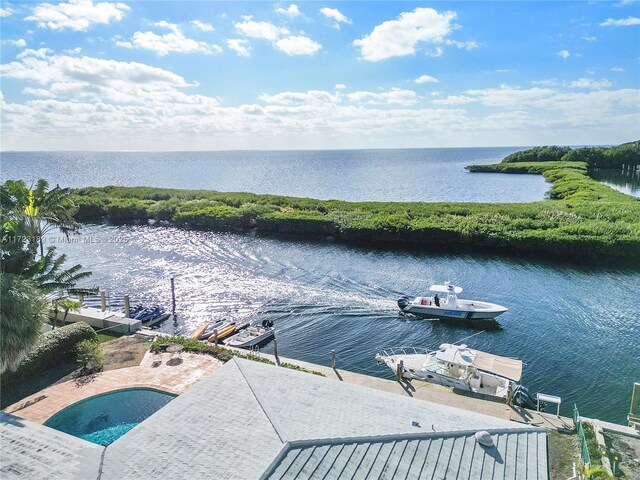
(455,366)
(226,330)
(149,316)
(449,306)
(253,336)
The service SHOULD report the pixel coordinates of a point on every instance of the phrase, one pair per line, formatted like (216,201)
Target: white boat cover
(503,366)
(444,288)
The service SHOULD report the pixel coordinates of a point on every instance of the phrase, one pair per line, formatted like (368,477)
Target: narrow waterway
(576,328)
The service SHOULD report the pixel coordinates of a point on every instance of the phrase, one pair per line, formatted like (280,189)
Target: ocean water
(434,175)
(576,328)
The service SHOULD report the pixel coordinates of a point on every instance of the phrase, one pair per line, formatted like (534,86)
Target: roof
(30,450)
(242,421)
(445,288)
(424,455)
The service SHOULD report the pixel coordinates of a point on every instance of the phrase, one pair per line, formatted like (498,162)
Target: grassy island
(581,219)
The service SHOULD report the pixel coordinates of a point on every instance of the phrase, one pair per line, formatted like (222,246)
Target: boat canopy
(503,366)
(445,288)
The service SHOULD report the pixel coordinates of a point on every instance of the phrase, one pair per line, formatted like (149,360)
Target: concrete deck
(159,371)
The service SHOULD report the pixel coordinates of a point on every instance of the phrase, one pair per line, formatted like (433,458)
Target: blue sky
(84,75)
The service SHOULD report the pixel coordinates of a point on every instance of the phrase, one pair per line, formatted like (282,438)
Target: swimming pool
(102,419)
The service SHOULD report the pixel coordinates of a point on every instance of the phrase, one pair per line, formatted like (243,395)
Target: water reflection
(625,182)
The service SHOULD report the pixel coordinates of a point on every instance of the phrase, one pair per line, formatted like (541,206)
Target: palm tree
(21,318)
(67,305)
(37,211)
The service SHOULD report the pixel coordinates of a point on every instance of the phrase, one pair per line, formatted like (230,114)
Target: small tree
(66,305)
(90,356)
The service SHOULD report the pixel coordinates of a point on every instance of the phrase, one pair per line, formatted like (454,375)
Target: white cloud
(549,82)
(336,15)
(76,15)
(74,51)
(563,53)
(204,27)
(471,45)
(172,42)
(20,43)
(6,11)
(240,45)
(502,70)
(97,79)
(454,100)
(426,79)
(38,92)
(395,96)
(298,45)
(291,11)
(590,38)
(617,69)
(92,108)
(40,53)
(278,36)
(590,83)
(340,86)
(311,97)
(262,30)
(622,22)
(401,37)
(435,52)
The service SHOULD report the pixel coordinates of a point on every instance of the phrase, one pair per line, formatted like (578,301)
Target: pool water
(105,418)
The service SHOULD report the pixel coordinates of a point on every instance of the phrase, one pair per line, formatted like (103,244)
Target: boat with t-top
(449,306)
(456,366)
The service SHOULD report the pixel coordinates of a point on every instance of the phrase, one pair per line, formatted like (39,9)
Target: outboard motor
(520,397)
(403,302)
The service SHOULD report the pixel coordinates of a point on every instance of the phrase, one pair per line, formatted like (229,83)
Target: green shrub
(298,368)
(221,216)
(592,444)
(52,348)
(582,218)
(124,209)
(89,356)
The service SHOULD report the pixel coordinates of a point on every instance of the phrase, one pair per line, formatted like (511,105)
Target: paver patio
(160,371)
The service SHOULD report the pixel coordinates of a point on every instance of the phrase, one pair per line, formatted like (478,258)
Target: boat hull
(463,310)
(457,314)
(236,340)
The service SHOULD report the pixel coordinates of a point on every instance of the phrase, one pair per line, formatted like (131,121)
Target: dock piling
(173,296)
(127,308)
(103,300)
(333,359)
(275,350)
(399,371)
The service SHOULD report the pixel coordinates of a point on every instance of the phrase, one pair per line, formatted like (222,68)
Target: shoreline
(583,219)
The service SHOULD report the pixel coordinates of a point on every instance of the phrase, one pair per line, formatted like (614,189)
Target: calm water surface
(357,175)
(577,329)
(626,182)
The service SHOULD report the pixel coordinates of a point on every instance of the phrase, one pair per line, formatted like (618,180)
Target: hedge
(52,347)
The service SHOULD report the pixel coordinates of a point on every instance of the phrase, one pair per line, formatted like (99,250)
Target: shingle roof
(248,420)
(29,450)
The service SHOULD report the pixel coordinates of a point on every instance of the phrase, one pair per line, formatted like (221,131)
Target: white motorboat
(449,305)
(253,336)
(456,366)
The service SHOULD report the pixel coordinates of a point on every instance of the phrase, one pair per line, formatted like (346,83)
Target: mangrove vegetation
(582,218)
